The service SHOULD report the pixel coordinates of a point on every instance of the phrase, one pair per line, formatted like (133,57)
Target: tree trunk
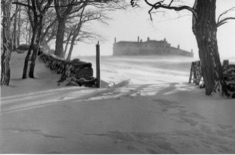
(35,52)
(19,30)
(33,59)
(74,35)
(27,34)
(205,30)
(6,53)
(31,48)
(36,46)
(14,38)
(70,50)
(26,61)
(30,33)
(37,25)
(67,43)
(72,45)
(59,48)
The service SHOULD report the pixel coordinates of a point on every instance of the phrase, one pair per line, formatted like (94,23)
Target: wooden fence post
(98,65)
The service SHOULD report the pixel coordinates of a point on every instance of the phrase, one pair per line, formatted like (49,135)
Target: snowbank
(147,108)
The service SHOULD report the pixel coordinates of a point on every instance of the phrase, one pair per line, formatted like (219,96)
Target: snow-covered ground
(145,105)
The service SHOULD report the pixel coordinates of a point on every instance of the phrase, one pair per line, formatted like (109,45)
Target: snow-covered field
(145,105)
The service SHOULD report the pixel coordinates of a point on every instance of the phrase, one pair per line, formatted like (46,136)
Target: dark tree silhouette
(205,30)
(36,12)
(16,27)
(77,32)
(6,42)
(66,8)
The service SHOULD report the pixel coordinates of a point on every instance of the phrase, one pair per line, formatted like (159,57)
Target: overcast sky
(176,28)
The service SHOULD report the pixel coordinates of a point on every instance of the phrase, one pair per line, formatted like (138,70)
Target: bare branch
(169,7)
(48,28)
(225,12)
(221,21)
(224,21)
(160,4)
(171,2)
(23,4)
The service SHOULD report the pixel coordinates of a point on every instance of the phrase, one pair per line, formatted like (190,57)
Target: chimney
(138,39)
(178,46)
(148,39)
(165,39)
(225,63)
(115,40)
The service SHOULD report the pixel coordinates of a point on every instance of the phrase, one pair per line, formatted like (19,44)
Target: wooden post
(98,64)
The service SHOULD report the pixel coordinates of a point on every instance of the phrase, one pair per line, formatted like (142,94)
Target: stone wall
(228,73)
(229,77)
(76,71)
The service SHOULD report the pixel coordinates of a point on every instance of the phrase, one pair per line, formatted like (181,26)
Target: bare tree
(36,12)
(74,33)
(205,31)
(49,30)
(16,27)
(25,26)
(6,42)
(77,30)
(65,8)
(19,28)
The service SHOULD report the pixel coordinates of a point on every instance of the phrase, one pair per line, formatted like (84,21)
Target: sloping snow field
(145,105)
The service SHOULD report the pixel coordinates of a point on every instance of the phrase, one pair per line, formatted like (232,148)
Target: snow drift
(145,106)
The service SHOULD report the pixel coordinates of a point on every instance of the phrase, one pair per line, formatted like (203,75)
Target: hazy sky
(128,25)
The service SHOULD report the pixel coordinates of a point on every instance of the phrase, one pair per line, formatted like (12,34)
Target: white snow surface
(145,105)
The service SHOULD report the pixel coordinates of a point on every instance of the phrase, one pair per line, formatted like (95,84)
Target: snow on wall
(228,72)
(75,69)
